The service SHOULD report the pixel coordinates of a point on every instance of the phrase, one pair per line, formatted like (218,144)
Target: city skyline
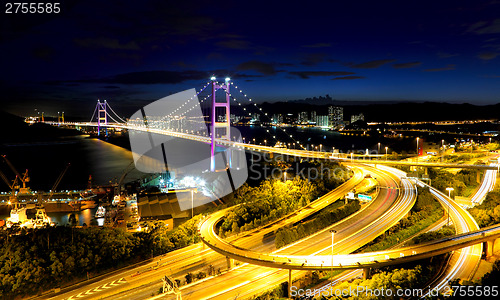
(134,54)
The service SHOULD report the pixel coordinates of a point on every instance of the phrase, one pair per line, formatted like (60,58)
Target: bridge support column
(478,176)
(290,283)
(229,263)
(366,273)
(426,171)
(489,248)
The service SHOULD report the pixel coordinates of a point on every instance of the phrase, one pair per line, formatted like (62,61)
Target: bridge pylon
(217,126)
(102,116)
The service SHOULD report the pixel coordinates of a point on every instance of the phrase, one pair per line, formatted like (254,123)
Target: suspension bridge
(215,118)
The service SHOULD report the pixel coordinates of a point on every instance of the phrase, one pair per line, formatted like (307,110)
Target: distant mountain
(392,111)
(13,129)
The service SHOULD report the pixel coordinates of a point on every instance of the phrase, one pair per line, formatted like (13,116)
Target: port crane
(54,187)
(24,177)
(12,185)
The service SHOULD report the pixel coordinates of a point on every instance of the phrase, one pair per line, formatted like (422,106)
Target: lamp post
(265,143)
(385,153)
(449,189)
(333,233)
(192,202)
(378,148)
(284,177)
(320,146)
(442,153)
(416,167)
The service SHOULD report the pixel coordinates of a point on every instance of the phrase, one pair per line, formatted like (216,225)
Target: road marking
(226,290)
(99,288)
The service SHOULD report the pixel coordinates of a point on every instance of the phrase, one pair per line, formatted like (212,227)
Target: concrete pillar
(426,171)
(366,273)
(290,283)
(229,263)
(478,176)
(489,248)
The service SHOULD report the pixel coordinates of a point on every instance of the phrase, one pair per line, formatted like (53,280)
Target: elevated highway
(283,151)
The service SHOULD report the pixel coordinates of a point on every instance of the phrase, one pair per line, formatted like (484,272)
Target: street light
(284,177)
(385,153)
(378,148)
(192,202)
(265,142)
(416,167)
(320,146)
(442,153)
(449,189)
(333,233)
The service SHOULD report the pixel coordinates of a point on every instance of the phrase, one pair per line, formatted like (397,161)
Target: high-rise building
(335,116)
(313,117)
(303,117)
(359,117)
(322,121)
(277,118)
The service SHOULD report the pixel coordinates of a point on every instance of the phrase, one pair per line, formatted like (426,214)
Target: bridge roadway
(284,151)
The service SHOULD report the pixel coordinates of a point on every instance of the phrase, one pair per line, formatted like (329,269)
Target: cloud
(318,45)
(447,68)
(407,65)
(45,53)
(313,59)
(107,43)
(307,74)
(483,27)
(234,44)
(487,55)
(348,77)
(373,64)
(261,67)
(446,55)
(145,77)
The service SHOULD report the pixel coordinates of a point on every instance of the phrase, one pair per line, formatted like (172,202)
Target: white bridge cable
(95,109)
(185,103)
(116,115)
(259,109)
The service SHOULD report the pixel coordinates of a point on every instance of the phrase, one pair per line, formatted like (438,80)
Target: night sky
(134,52)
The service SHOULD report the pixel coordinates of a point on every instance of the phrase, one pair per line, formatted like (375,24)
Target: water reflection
(84,216)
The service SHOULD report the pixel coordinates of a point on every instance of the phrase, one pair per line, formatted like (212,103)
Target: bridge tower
(215,124)
(102,116)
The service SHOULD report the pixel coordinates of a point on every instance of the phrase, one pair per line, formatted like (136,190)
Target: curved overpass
(349,261)
(352,241)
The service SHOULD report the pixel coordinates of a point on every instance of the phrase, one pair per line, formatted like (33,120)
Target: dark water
(45,162)
(88,157)
(312,137)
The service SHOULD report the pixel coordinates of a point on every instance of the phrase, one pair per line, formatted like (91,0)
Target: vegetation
(35,259)
(488,213)
(323,219)
(392,279)
(442,179)
(273,198)
(433,235)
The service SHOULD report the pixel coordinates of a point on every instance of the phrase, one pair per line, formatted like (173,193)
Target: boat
(101,212)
